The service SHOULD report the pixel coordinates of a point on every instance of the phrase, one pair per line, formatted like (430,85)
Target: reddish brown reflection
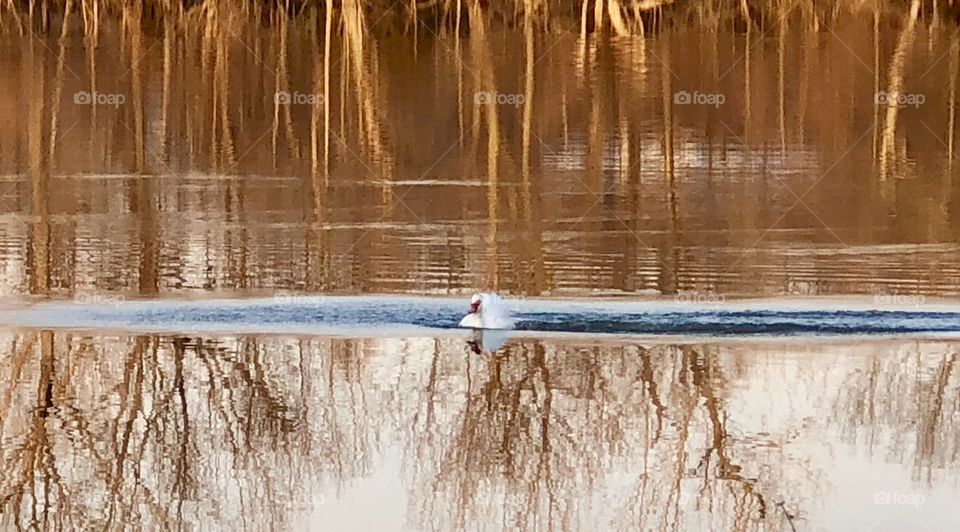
(290,155)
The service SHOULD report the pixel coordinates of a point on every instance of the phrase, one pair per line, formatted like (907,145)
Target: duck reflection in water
(488,340)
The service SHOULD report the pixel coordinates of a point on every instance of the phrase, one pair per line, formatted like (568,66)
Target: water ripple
(379,314)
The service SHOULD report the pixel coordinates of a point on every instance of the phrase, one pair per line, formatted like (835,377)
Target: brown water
(189,177)
(198,181)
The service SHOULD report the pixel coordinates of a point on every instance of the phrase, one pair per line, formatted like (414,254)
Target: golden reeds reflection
(279,431)
(582,175)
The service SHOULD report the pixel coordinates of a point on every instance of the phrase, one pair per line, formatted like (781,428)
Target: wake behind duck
(416,315)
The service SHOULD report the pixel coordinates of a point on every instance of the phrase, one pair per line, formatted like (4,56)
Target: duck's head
(475,303)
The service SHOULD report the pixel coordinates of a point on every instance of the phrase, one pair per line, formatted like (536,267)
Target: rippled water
(221,311)
(345,315)
(777,191)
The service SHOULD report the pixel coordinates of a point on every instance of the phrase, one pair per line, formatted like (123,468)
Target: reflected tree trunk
(150,240)
(952,102)
(668,264)
(58,80)
(895,88)
(132,19)
(483,70)
(531,203)
(39,168)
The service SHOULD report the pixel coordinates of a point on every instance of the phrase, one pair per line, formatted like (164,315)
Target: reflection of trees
(598,180)
(99,432)
(544,433)
(560,437)
(904,409)
(162,432)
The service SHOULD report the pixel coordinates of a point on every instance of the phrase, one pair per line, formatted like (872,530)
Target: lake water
(230,283)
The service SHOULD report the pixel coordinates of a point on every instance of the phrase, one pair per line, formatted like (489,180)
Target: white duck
(487,311)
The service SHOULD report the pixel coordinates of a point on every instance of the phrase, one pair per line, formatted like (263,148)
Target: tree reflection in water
(174,431)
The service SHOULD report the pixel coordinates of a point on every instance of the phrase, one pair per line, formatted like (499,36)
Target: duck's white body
(487,311)
(472,321)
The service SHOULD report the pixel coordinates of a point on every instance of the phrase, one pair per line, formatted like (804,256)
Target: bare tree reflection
(101,432)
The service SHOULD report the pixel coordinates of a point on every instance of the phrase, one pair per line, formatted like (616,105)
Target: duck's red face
(474,306)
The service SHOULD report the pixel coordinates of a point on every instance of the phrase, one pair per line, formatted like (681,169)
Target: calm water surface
(102,430)
(189,177)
